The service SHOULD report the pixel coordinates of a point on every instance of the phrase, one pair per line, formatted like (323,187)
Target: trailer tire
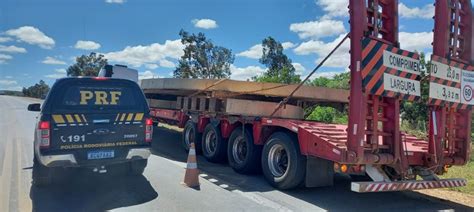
(190,134)
(214,147)
(242,153)
(282,163)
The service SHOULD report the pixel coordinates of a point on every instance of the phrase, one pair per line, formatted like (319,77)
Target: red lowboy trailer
(291,152)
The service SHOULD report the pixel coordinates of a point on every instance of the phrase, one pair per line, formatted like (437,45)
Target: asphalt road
(159,188)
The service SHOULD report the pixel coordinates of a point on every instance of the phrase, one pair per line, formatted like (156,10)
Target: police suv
(96,123)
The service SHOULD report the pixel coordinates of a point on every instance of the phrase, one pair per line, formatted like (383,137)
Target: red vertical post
(453,40)
(441,29)
(357,101)
(392,111)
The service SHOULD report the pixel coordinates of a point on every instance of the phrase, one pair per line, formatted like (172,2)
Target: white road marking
(254,196)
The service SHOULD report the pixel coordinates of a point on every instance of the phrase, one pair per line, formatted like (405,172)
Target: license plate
(100,155)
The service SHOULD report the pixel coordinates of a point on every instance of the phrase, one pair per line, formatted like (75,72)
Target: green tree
(328,115)
(279,67)
(202,59)
(39,90)
(339,81)
(87,65)
(416,113)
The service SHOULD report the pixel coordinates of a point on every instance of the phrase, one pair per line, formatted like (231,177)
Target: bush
(327,115)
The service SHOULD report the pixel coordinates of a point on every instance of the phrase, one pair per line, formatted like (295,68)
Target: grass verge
(466,172)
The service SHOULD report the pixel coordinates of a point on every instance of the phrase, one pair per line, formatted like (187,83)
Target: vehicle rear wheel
(190,135)
(214,147)
(282,163)
(42,175)
(137,167)
(242,153)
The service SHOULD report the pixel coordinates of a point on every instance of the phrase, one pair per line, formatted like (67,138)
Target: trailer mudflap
(319,172)
(364,187)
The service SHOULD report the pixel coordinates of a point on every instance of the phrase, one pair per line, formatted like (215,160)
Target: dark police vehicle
(95,123)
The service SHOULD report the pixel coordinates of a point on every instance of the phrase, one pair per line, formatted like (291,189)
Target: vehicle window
(99,96)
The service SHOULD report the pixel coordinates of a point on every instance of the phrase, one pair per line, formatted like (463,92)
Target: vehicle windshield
(99,96)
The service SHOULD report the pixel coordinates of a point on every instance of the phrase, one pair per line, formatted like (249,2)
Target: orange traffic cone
(191,177)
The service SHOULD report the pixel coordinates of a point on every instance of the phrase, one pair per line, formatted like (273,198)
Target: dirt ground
(453,196)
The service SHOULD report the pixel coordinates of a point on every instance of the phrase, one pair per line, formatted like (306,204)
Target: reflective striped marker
(138,116)
(78,118)
(191,166)
(69,118)
(58,119)
(129,117)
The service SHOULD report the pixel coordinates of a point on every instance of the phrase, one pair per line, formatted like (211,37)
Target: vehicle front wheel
(242,153)
(214,147)
(42,175)
(282,163)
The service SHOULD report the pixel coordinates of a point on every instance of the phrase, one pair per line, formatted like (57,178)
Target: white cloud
(5,39)
(58,73)
(12,49)
(334,8)
(415,41)
(61,71)
(255,52)
(53,61)
(8,77)
(419,41)
(327,74)
(428,56)
(13,88)
(425,12)
(318,29)
(299,69)
(4,58)
(31,35)
(86,45)
(115,1)
(151,66)
(154,53)
(8,82)
(288,45)
(245,73)
(147,75)
(339,59)
(167,64)
(204,23)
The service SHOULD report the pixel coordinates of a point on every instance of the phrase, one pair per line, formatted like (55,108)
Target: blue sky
(40,38)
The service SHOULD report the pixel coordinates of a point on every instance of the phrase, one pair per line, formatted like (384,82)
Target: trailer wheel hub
(277,160)
(239,149)
(211,142)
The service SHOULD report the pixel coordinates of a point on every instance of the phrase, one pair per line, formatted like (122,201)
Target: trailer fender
(182,119)
(201,124)
(227,128)
(319,172)
(257,133)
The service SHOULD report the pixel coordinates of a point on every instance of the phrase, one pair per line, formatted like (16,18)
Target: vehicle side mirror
(34,107)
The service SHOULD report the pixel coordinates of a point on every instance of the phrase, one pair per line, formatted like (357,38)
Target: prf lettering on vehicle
(100,97)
